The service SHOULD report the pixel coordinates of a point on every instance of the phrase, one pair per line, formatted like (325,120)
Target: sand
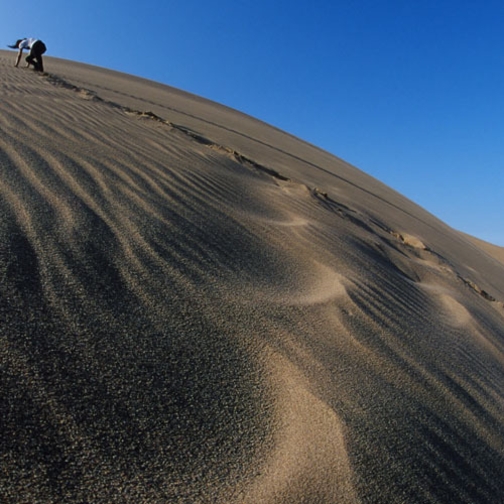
(196,307)
(493,250)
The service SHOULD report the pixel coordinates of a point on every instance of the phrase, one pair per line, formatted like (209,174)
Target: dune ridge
(198,307)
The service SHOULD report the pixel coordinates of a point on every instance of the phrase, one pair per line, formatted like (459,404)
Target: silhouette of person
(36,48)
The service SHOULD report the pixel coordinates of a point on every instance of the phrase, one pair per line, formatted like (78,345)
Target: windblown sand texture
(196,307)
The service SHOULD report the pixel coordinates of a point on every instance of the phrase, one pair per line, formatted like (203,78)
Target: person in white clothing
(36,48)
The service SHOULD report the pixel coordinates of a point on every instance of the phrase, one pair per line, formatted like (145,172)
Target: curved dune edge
(308,435)
(493,250)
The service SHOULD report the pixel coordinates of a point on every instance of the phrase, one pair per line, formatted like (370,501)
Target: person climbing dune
(36,48)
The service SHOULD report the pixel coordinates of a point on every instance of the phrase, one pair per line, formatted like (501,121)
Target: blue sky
(411,92)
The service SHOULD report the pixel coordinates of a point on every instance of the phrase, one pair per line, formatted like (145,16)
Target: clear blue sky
(410,91)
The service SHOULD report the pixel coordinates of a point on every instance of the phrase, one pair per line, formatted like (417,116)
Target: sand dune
(493,250)
(196,307)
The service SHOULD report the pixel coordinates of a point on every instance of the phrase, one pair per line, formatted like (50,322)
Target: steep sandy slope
(492,250)
(197,307)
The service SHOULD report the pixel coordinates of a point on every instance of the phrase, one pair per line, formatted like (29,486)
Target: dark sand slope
(198,308)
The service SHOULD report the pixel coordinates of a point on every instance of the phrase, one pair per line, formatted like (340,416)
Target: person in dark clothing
(36,48)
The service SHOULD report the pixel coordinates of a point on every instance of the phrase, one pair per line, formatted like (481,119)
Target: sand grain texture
(196,307)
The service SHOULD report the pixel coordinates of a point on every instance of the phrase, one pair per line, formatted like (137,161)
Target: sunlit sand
(197,307)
